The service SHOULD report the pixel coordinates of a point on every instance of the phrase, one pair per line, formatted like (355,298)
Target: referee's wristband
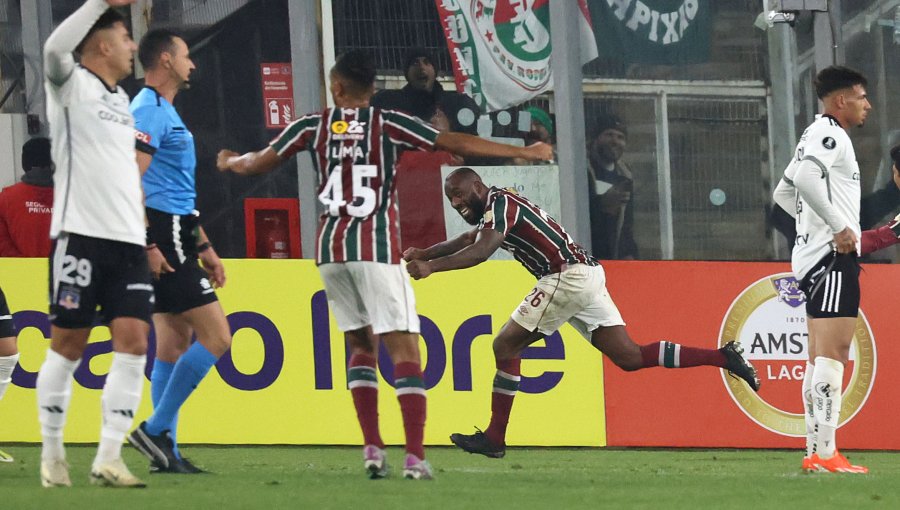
(202,247)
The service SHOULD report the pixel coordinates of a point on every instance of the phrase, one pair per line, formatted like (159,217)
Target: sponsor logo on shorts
(139,286)
(207,287)
(69,298)
(523,309)
(769,322)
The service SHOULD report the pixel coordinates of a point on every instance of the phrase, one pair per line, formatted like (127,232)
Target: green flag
(652,31)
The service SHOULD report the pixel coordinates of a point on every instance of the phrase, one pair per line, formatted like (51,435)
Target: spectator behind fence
(424,97)
(873,207)
(611,185)
(26,207)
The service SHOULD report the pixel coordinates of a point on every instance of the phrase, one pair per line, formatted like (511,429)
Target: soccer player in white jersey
(9,355)
(822,191)
(98,258)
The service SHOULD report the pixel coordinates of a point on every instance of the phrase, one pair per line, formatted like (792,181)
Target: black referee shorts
(831,287)
(87,273)
(7,328)
(188,286)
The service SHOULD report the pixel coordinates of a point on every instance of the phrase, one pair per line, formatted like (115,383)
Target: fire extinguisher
(276,245)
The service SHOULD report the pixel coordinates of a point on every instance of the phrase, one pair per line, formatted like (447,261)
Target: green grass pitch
(332,477)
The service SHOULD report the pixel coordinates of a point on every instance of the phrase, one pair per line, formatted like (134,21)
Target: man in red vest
(25,207)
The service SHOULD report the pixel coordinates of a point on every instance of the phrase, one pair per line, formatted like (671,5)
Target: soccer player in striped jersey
(355,149)
(98,258)
(821,189)
(9,354)
(571,288)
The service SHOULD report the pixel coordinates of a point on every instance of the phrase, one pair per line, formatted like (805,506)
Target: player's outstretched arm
(251,163)
(486,243)
(441,249)
(880,238)
(473,146)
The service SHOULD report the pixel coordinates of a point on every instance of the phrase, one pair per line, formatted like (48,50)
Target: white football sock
(827,381)
(808,416)
(54,391)
(7,365)
(121,398)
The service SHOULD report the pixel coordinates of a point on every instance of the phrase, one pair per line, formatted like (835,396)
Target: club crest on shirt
(829,143)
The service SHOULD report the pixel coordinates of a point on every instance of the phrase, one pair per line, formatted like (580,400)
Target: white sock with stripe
(54,391)
(808,416)
(826,393)
(120,401)
(7,365)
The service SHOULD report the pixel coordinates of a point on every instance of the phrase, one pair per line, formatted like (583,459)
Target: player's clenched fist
(413,254)
(418,269)
(223,160)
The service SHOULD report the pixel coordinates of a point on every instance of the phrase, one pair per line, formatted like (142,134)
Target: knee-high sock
(808,416)
(121,398)
(506,385)
(7,365)
(54,391)
(190,369)
(827,381)
(363,382)
(159,379)
(672,355)
(410,387)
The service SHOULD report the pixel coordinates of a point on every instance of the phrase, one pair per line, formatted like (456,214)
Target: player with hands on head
(186,302)
(571,288)
(98,255)
(355,149)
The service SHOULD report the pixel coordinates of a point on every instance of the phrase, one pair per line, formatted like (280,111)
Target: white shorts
(370,293)
(577,295)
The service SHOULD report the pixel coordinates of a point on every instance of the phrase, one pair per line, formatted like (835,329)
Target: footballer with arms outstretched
(355,149)
(571,288)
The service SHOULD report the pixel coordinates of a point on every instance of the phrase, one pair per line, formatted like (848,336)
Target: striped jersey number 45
(332,195)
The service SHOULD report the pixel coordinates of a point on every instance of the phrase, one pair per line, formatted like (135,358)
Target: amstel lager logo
(769,320)
(517,33)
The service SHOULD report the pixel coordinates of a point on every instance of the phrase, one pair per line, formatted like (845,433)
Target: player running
(571,288)
(98,257)
(186,301)
(355,149)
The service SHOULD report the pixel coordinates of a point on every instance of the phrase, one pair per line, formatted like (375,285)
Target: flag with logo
(652,31)
(501,48)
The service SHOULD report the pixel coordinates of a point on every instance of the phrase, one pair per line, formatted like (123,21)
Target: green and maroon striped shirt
(355,151)
(532,237)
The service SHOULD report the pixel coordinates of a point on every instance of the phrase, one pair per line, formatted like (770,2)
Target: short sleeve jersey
(169,182)
(826,144)
(355,152)
(97,182)
(533,238)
